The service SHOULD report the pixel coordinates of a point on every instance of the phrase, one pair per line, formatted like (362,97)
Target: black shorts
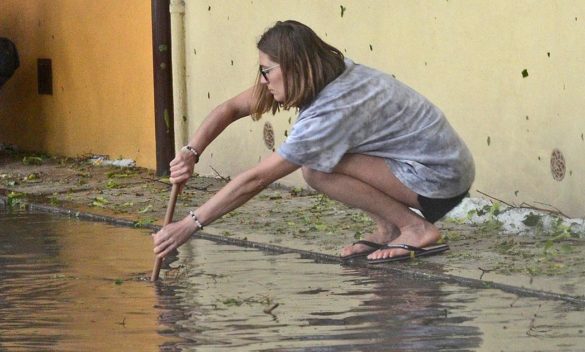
(434,209)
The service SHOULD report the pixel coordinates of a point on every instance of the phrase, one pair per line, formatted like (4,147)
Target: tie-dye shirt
(365,111)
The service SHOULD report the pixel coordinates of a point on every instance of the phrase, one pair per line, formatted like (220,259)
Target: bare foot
(381,235)
(420,235)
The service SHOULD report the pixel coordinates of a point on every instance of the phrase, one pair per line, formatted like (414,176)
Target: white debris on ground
(103,160)
(515,220)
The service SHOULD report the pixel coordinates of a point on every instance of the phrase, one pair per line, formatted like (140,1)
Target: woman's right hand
(182,167)
(172,236)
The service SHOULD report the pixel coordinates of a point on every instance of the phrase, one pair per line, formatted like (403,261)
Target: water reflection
(223,292)
(27,263)
(65,285)
(215,299)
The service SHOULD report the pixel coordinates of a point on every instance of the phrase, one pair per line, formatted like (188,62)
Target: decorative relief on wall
(269,135)
(557,165)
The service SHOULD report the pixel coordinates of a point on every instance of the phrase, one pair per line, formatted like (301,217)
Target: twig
(483,271)
(271,308)
(203,188)
(532,325)
(526,205)
(218,174)
(123,322)
(557,210)
(494,198)
(156,180)
(529,206)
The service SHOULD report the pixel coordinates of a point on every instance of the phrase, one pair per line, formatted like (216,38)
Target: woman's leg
(366,183)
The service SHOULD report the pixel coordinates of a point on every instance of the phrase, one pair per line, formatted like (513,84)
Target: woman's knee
(313,177)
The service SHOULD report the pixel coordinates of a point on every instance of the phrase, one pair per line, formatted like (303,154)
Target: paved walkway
(548,264)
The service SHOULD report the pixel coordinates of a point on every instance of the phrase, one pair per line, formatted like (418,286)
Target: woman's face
(272,77)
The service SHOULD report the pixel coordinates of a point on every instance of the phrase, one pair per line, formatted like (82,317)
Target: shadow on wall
(9,61)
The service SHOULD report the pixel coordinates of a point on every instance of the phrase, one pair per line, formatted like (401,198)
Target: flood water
(70,285)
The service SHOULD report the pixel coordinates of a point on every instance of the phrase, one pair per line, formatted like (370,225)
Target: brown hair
(308,64)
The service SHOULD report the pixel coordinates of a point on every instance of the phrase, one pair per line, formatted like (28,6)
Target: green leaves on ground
(549,252)
(144,222)
(111,184)
(146,209)
(32,177)
(232,302)
(100,202)
(32,160)
(491,224)
(121,173)
(14,200)
(238,301)
(532,219)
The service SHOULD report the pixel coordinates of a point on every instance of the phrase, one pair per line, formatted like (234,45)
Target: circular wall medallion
(268,135)
(557,165)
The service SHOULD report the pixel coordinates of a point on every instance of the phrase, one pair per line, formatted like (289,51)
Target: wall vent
(45,76)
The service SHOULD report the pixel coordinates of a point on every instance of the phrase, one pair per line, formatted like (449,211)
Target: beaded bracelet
(194,217)
(190,149)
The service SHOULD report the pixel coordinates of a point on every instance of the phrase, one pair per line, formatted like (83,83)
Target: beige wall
(467,56)
(102,100)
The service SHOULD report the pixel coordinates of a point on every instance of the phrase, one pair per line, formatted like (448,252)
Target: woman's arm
(234,194)
(217,120)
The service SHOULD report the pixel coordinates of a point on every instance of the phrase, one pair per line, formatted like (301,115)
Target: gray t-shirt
(365,111)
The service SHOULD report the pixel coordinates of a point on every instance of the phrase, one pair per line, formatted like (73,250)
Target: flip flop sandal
(414,252)
(373,247)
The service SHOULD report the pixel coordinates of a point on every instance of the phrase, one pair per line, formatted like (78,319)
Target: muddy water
(68,285)
(221,293)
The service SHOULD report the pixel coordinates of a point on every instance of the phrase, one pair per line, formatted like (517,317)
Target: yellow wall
(467,56)
(102,100)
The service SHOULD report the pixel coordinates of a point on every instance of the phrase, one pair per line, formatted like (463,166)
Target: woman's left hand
(172,236)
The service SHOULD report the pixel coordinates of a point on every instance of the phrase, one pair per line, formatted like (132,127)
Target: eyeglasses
(265,71)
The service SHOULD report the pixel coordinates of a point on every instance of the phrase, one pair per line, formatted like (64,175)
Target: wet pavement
(292,220)
(73,285)
(66,285)
(327,307)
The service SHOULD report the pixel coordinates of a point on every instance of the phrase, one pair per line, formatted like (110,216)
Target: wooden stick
(168,220)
